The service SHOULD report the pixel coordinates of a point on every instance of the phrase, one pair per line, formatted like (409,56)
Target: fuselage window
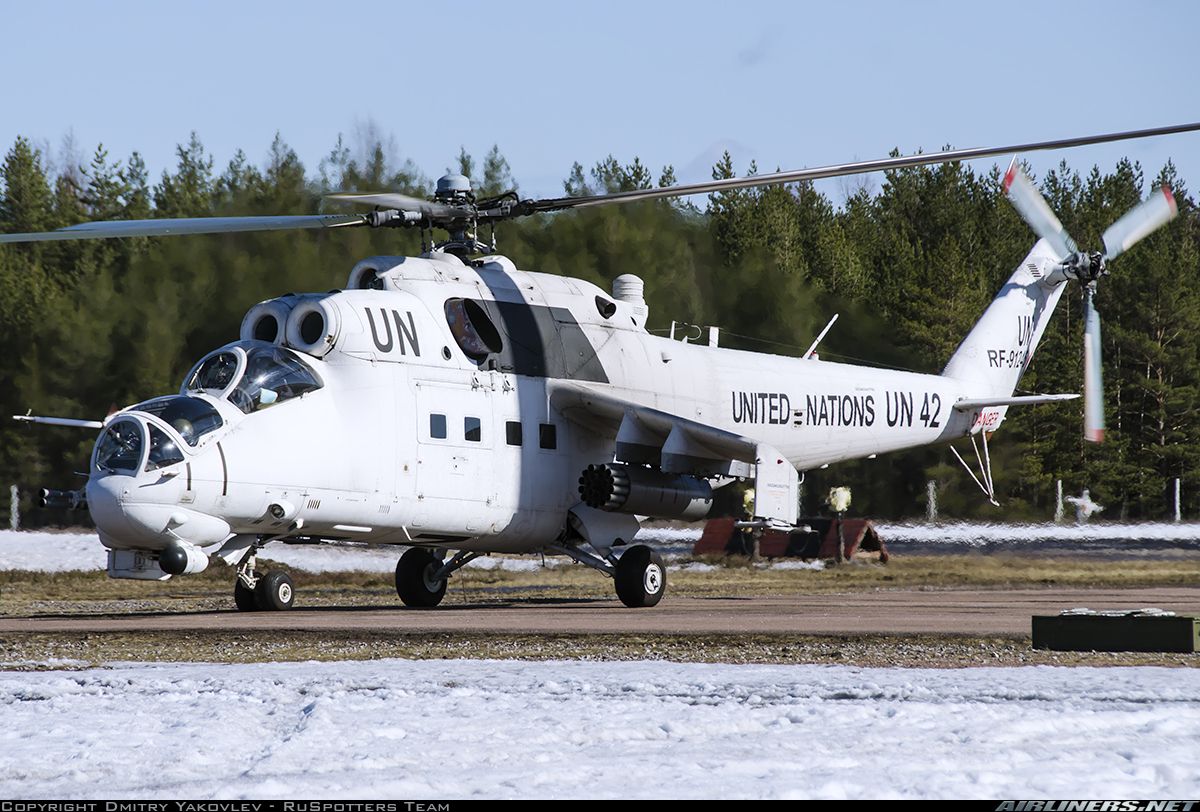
(163,451)
(472,429)
(437,426)
(548,435)
(472,329)
(512,432)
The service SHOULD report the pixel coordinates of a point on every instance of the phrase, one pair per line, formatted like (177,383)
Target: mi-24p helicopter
(451,402)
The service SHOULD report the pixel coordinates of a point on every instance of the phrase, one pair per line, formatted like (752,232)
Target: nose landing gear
(271,592)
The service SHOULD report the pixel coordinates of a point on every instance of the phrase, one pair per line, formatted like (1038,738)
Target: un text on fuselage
(899,409)
(404,337)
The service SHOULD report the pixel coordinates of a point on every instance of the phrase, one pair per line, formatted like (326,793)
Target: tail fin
(1000,346)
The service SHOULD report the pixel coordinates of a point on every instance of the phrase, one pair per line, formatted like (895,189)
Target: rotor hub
(454,188)
(1087,267)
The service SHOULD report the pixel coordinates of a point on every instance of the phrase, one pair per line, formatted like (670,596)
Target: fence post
(931,501)
(14,514)
(1178,511)
(1058,505)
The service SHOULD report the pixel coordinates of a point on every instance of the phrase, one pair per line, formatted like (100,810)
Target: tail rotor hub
(1087,268)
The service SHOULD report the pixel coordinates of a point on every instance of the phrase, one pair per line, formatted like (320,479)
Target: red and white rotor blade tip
(1140,221)
(1030,204)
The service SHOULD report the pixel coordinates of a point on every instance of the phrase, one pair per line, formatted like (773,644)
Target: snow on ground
(977,534)
(456,729)
(51,552)
(57,552)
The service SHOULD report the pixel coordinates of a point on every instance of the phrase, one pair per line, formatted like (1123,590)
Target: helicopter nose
(143,511)
(105,495)
(132,513)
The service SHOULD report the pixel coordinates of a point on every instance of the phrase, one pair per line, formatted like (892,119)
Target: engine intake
(621,488)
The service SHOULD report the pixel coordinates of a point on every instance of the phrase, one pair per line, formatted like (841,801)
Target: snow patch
(405,728)
(57,552)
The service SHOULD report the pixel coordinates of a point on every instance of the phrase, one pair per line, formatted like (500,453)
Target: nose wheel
(272,592)
(243,597)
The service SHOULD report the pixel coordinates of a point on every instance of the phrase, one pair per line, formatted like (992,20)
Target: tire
(641,577)
(413,579)
(274,592)
(243,597)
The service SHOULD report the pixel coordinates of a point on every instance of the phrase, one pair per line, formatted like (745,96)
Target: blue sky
(790,84)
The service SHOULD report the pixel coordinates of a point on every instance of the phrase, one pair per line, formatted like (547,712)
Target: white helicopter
(451,402)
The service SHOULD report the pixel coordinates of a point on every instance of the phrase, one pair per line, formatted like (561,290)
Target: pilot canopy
(252,375)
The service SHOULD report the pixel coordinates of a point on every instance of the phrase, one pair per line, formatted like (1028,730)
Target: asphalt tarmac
(958,611)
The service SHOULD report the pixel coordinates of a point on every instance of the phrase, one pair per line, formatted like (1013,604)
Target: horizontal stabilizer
(971,404)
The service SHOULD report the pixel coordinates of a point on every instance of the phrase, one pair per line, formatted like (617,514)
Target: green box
(1126,632)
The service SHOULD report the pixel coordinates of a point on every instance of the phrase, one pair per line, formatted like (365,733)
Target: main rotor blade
(1030,204)
(838,170)
(1139,221)
(395,200)
(1093,383)
(187,225)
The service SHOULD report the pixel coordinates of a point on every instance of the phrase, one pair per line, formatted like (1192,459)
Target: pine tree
(497,176)
(187,192)
(26,204)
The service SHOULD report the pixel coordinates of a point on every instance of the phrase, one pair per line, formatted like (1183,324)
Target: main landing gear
(271,592)
(641,577)
(421,576)
(639,574)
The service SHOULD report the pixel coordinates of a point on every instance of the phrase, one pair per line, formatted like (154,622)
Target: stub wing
(647,436)
(676,444)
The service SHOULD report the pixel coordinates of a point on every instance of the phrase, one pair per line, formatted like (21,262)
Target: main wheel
(243,597)
(414,578)
(641,577)
(274,592)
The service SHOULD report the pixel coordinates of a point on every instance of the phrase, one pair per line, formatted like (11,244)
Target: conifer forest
(909,260)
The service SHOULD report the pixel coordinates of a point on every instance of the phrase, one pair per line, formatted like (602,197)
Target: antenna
(813,348)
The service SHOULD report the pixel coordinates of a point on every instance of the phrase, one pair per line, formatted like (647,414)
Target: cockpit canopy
(252,375)
(191,417)
(129,440)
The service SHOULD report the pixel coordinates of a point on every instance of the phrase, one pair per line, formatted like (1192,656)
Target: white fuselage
(412,441)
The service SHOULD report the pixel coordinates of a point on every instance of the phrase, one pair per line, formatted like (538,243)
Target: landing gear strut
(421,576)
(640,574)
(252,592)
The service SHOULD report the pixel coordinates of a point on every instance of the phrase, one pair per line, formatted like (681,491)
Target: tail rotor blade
(1093,384)
(1028,201)
(1140,221)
